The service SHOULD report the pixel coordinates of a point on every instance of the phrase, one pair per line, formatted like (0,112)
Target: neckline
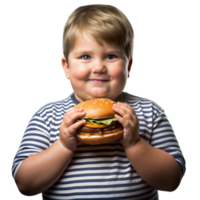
(77,102)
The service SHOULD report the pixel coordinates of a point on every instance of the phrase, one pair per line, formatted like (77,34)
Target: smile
(98,80)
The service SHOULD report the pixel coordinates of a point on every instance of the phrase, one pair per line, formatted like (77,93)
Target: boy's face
(96,70)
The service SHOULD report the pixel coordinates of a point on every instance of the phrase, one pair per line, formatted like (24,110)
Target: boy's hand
(127,117)
(68,128)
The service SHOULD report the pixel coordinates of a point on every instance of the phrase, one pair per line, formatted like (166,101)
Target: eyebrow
(111,51)
(82,52)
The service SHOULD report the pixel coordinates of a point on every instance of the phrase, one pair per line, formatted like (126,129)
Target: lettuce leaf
(99,121)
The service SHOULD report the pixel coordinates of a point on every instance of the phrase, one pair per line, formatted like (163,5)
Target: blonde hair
(102,22)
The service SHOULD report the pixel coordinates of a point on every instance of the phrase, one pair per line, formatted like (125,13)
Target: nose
(99,67)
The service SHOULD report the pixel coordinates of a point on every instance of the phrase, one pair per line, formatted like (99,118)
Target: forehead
(84,40)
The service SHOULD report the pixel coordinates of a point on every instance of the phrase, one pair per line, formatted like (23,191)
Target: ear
(129,67)
(65,67)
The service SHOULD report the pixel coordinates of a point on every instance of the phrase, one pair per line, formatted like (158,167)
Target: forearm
(158,168)
(39,171)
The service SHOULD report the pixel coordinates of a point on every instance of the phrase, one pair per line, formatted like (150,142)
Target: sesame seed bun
(97,108)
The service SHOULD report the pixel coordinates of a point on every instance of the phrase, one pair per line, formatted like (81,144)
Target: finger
(124,104)
(72,110)
(118,117)
(73,117)
(74,127)
(70,118)
(124,110)
(126,107)
(123,117)
(120,109)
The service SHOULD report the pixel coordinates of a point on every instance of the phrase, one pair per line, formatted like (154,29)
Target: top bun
(97,108)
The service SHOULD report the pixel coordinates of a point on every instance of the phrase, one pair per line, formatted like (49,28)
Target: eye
(85,57)
(110,57)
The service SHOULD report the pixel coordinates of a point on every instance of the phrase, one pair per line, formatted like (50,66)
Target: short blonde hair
(102,22)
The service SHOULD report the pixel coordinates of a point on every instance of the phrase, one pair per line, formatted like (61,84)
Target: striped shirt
(99,171)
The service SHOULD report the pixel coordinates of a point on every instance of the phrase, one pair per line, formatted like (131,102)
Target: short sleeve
(34,139)
(164,137)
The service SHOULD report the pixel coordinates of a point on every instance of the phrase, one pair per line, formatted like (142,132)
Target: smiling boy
(98,46)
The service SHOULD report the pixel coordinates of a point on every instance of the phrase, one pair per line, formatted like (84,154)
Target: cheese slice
(89,134)
(98,126)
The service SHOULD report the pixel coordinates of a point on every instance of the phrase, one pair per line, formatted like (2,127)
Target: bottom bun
(95,140)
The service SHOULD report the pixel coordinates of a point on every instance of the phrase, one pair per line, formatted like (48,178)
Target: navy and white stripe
(102,171)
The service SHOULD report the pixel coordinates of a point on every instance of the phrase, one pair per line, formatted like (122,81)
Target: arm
(39,171)
(156,167)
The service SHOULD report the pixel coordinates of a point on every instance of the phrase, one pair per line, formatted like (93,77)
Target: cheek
(119,72)
(79,73)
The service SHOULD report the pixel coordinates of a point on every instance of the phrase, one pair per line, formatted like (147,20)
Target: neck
(120,98)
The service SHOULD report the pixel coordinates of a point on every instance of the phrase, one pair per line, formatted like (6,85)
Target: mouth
(98,80)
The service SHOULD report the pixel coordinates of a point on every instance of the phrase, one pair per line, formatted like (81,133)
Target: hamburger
(101,126)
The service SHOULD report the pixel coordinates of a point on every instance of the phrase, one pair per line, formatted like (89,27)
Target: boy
(98,46)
